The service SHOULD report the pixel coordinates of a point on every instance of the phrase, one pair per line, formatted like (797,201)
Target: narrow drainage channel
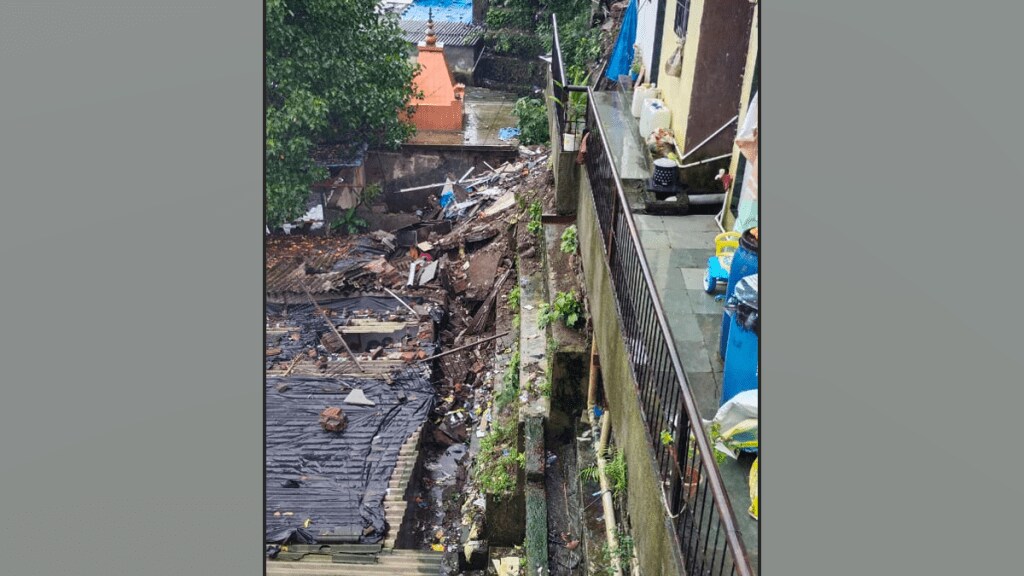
(435,501)
(565,550)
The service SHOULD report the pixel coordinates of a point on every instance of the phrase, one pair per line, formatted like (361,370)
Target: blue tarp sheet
(622,56)
(442,10)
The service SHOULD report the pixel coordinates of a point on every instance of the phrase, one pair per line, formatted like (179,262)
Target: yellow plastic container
(754,507)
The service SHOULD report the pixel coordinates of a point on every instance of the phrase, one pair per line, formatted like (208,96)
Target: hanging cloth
(622,56)
(747,141)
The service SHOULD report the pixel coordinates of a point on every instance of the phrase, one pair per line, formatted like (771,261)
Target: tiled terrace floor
(677,249)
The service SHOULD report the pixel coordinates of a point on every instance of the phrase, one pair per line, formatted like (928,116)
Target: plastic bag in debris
(735,425)
(295,535)
(437,314)
(744,304)
(506,134)
(448,194)
(457,210)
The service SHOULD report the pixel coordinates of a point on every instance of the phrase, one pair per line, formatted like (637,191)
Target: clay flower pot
(691,480)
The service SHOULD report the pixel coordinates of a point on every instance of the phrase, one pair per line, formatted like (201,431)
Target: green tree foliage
(532,120)
(336,72)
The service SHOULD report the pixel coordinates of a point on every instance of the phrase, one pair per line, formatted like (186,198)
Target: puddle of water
(440,499)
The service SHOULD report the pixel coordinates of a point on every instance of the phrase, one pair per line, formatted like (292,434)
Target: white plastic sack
(735,425)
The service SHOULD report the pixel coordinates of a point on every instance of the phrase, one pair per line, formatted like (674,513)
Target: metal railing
(694,494)
(557,76)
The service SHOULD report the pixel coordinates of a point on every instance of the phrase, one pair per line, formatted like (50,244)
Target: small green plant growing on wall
(350,222)
(509,381)
(615,468)
(569,240)
(666,438)
(590,474)
(545,315)
(513,297)
(534,226)
(499,461)
(623,552)
(567,307)
(543,386)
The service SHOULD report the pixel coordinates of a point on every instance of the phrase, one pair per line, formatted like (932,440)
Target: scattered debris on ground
(424,293)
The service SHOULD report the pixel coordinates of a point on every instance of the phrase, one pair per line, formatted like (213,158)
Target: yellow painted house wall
(728,220)
(676,91)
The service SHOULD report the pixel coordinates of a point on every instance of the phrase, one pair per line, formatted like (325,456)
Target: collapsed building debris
(398,327)
(332,419)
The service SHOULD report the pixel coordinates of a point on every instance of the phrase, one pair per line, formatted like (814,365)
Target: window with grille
(682,17)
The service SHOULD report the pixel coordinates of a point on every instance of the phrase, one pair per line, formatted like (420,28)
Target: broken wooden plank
(480,319)
(292,365)
(333,328)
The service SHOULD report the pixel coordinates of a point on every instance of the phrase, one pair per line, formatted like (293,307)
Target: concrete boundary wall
(653,534)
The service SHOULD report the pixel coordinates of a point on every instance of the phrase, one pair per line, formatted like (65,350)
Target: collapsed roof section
(332,483)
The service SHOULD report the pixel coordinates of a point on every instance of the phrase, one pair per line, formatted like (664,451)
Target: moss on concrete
(653,535)
(536,529)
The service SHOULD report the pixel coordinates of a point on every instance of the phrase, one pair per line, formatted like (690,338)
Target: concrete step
(316,569)
(393,563)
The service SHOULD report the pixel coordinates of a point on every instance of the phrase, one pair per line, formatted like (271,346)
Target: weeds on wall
(498,462)
(567,307)
(569,240)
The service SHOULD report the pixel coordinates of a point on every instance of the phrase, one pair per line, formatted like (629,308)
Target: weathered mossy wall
(652,530)
(563,163)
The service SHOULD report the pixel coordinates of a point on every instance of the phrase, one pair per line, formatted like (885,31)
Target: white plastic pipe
(606,495)
(708,139)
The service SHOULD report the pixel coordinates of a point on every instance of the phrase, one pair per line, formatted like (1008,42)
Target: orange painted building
(440,108)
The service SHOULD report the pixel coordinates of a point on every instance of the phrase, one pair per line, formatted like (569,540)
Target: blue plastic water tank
(744,263)
(740,373)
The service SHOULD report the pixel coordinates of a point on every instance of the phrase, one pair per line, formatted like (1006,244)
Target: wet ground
(622,130)
(437,503)
(565,551)
(486,112)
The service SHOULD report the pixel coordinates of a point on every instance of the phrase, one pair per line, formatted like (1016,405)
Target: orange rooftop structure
(440,108)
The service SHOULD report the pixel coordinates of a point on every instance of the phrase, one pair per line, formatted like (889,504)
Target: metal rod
(708,139)
(592,385)
(461,348)
(395,296)
(466,175)
(426,187)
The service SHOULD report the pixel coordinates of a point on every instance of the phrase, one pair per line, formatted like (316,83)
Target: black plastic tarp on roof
(337,481)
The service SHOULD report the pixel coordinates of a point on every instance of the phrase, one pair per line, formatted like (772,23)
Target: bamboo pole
(606,495)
